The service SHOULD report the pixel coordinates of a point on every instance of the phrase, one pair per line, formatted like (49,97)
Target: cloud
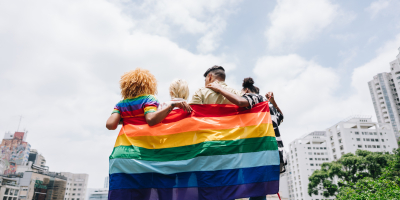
(377,6)
(60,67)
(311,95)
(203,19)
(294,22)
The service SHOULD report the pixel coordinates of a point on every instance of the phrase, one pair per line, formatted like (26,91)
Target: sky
(60,62)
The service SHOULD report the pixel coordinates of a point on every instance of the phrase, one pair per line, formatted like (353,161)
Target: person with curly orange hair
(138,88)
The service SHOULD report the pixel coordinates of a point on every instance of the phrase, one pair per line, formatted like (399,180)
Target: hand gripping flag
(217,152)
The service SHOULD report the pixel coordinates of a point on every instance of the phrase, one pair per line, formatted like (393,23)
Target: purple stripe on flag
(205,193)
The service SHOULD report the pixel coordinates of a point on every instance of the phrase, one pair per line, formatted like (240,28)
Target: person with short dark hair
(215,74)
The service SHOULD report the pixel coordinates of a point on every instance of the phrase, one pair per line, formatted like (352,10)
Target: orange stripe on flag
(196,124)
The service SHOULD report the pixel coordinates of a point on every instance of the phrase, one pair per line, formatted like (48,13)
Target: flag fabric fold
(217,152)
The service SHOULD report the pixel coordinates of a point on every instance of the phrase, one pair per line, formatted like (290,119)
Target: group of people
(139,86)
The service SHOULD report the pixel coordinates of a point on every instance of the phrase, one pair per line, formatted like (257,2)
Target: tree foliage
(360,175)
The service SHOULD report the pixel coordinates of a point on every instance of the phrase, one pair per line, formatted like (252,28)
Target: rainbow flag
(218,152)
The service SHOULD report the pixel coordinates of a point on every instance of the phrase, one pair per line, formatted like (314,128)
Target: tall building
(307,153)
(76,186)
(383,89)
(14,151)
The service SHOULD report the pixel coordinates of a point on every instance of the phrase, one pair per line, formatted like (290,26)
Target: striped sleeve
(150,105)
(116,110)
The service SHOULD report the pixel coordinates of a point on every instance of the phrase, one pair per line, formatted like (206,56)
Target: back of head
(137,82)
(179,89)
(248,83)
(217,71)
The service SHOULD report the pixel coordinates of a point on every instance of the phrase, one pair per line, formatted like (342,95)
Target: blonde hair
(179,89)
(137,82)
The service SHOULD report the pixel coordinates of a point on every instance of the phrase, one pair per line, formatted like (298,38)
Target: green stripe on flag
(208,148)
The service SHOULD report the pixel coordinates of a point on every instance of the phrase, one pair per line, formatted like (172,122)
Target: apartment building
(76,186)
(307,153)
(360,132)
(383,89)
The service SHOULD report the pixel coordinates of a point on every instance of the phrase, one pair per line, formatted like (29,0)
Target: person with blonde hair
(138,88)
(179,92)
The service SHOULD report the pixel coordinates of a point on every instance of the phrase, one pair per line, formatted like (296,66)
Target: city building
(9,189)
(98,194)
(14,151)
(307,153)
(359,132)
(76,186)
(383,89)
(106,182)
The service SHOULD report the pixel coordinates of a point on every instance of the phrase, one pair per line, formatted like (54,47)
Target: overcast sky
(60,62)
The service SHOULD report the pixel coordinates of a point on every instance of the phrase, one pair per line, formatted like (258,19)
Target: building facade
(383,89)
(307,153)
(98,194)
(76,186)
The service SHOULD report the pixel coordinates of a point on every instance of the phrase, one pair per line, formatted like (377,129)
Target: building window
(383,140)
(357,133)
(358,139)
(376,140)
(335,157)
(340,140)
(310,158)
(341,147)
(338,134)
(369,146)
(375,133)
(309,147)
(367,139)
(370,133)
(378,146)
(311,164)
(333,150)
(359,146)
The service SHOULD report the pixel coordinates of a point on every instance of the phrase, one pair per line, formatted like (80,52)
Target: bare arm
(233,98)
(270,97)
(156,117)
(113,120)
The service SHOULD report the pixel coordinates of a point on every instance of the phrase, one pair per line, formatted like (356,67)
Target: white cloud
(311,96)
(206,19)
(377,6)
(294,21)
(61,63)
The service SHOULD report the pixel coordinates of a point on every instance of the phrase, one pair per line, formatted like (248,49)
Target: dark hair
(217,71)
(248,83)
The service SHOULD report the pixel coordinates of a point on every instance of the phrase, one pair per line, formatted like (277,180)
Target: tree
(347,171)
(368,188)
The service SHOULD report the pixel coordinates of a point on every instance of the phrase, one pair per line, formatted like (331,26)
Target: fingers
(185,106)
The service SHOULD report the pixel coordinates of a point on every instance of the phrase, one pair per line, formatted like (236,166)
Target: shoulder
(231,90)
(151,97)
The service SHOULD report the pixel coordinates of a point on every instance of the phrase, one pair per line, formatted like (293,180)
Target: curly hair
(137,82)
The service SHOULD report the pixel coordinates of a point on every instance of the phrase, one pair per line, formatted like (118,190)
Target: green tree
(368,188)
(347,171)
